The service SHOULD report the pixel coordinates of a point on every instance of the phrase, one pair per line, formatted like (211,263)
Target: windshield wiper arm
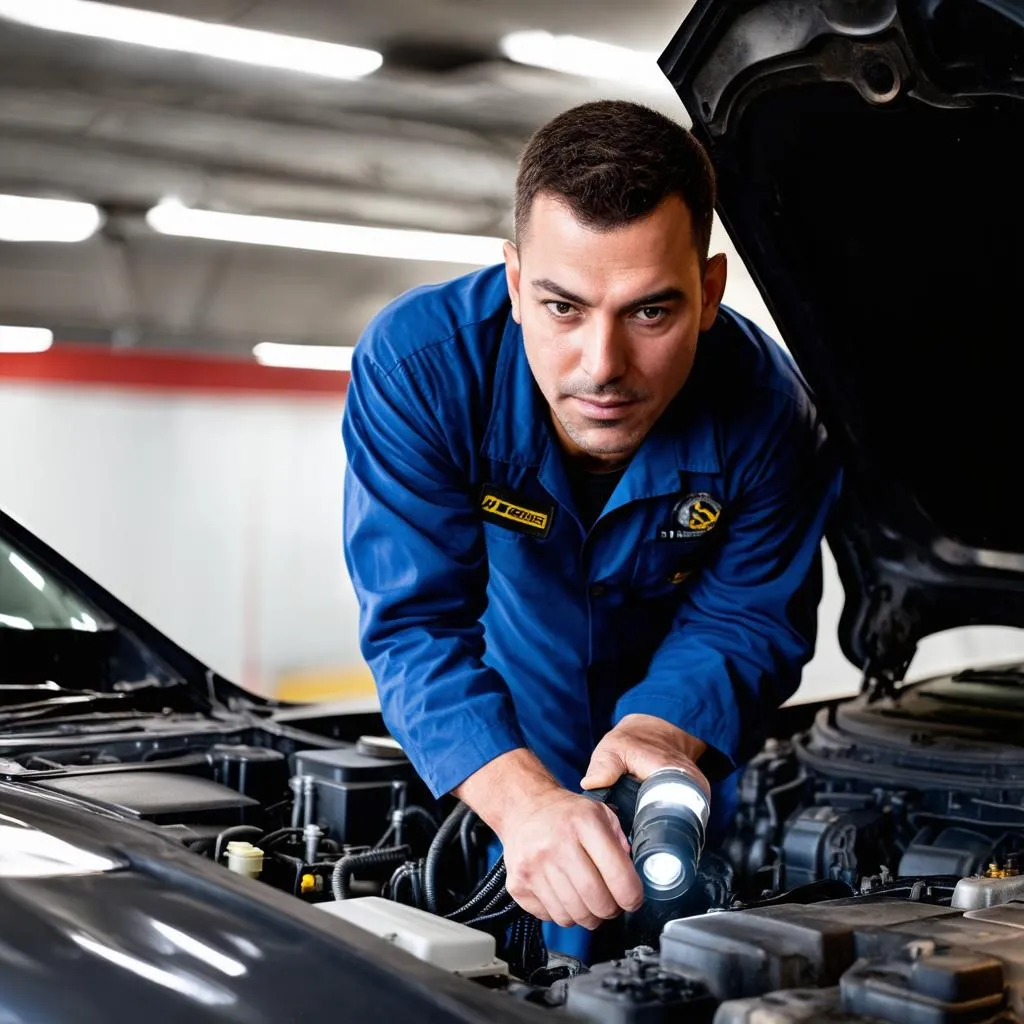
(36,709)
(78,725)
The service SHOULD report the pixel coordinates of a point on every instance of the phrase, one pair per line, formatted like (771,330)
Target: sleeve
(747,625)
(415,552)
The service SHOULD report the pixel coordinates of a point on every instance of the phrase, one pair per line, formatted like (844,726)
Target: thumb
(606,768)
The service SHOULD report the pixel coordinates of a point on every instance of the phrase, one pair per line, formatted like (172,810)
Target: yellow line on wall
(312,685)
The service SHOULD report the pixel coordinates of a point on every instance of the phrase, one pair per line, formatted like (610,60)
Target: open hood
(869,173)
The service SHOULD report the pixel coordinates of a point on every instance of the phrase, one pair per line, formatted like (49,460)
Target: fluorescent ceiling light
(201,951)
(304,357)
(30,572)
(25,339)
(25,219)
(172,218)
(15,622)
(186,35)
(574,55)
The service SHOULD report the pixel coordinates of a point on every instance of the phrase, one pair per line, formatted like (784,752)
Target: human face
(610,320)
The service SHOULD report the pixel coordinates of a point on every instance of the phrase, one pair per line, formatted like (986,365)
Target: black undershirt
(591,491)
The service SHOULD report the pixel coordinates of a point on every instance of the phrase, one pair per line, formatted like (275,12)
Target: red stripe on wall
(97,366)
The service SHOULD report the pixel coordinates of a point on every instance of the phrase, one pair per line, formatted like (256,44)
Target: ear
(512,278)
(712,289)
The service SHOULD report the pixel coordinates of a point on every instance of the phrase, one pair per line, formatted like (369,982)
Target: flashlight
(668,832)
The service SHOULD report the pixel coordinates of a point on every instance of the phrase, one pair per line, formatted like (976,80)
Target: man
(583,509)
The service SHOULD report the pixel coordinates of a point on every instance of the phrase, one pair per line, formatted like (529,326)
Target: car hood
(868,174)
(108,920)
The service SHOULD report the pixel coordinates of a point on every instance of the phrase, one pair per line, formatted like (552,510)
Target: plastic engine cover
(446,944)
(857,959)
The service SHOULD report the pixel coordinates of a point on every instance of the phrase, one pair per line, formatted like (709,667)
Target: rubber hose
(489,897)
(399,875)
(498,920)
(403,878)
(345,867)
(466,839)
(527,945)
(493,883)
(273,837)
(422,815)
(447,830)
(499,899)
(416,877)
(237,832)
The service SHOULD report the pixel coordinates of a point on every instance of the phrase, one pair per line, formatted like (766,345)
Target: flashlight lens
(668,832)
(663,869)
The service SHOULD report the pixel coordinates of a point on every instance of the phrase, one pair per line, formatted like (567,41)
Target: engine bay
(926,782)
(872,870)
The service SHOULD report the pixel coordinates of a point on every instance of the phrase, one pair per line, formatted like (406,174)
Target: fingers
(610,856)
(639,745)
(569,863)
(566,887)
(605,769)
(570,897)
(594,893)
(551,896)
(537,896)
(530,903)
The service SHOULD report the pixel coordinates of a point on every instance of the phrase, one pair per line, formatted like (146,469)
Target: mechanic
(583,509)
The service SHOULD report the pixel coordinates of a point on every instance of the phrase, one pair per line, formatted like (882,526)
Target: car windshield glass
(32,599)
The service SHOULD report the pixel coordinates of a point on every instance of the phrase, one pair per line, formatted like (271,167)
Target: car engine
(927,782)
(872,870)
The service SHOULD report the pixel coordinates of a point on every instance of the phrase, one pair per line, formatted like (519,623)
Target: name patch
(514,513)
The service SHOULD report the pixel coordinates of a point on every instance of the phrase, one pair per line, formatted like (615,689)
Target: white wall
(218,519)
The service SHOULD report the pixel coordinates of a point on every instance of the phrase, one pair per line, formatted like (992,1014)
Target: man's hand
(565,854)
(568,862)
(639,745)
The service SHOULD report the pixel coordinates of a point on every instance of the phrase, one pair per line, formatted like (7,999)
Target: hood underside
(867,155)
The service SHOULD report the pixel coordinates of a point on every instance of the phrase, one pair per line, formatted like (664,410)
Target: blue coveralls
(491,619)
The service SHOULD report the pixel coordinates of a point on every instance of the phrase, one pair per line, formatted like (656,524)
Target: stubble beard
(585,439)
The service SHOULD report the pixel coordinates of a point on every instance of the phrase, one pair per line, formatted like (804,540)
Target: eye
(559,309)
(651,314)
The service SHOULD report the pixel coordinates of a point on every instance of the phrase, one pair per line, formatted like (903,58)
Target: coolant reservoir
(245,859)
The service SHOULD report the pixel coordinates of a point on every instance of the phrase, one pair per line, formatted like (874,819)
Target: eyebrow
(663,295)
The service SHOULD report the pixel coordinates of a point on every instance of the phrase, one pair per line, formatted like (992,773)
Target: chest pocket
(511,553)
(664,568)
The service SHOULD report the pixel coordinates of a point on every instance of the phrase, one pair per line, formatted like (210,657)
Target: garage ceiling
(429,141)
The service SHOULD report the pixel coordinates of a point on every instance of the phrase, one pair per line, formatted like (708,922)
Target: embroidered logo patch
(515,513)
(694,516)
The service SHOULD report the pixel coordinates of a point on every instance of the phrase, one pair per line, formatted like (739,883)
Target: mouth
(604,408)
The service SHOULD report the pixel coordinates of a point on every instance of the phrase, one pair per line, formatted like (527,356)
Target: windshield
(32,599)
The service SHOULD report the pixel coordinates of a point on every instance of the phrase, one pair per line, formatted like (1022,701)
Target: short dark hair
(612,162)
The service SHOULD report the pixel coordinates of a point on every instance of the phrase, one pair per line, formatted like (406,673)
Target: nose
(603,355)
